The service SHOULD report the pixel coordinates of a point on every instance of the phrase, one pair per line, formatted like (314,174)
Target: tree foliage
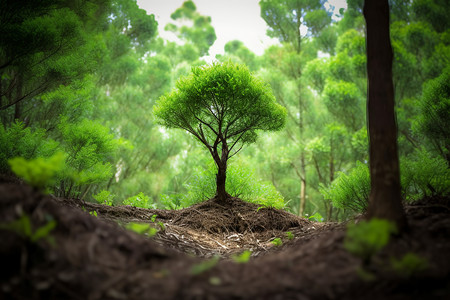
(223,106)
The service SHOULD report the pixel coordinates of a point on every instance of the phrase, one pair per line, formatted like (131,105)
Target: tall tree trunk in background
(301,128)
(385,200)
(301,210)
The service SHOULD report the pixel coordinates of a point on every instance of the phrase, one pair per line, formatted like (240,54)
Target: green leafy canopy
(221,103)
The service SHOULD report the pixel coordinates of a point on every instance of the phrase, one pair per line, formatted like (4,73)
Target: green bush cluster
(422,174)
(140,200)
(350,191)
(39,172)
(20,141)
(104,197)
(82,158)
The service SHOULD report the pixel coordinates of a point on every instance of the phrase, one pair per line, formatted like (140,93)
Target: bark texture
(385,197)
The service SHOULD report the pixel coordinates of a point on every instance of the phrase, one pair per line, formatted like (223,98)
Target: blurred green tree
(201,33)
(294,23)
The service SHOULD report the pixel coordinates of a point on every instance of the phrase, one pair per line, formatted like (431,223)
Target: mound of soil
(88,257)
(236,216)
(210,228)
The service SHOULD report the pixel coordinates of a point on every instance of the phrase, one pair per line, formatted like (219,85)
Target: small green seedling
(214,280)
(204,266)
(365,275)
(153,219)
(366,238)
(242,258)
(161,226)
(22,227)
(409,265)
(277,242)
(93,213)
(142,228)
(289,235)
(316,217)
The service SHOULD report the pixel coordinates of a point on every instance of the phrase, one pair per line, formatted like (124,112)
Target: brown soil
(88,257)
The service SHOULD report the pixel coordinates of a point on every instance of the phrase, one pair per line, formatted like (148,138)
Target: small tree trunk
(301,210)
(385,198)
(221,178)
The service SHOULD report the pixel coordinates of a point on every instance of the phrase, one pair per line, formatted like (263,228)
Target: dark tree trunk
(221,178)
(385,200)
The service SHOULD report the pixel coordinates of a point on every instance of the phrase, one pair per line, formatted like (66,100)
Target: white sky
(231,19)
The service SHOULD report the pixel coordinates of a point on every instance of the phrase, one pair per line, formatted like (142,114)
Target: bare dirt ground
(193,254)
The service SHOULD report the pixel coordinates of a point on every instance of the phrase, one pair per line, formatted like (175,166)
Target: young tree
(384,199)
(223,106)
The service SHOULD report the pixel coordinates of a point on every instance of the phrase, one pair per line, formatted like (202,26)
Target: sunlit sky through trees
(231,19)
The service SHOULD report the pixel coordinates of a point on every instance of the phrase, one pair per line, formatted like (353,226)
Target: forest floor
(195,254)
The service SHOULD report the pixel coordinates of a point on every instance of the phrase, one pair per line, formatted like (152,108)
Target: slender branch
(289,111)
(201,121)
(237,140)
(203,136)
(38,90)
(208,107)
(296,171)
(316,165)
(236,152)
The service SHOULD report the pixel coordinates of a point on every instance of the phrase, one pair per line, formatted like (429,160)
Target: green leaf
(242,258)
(204,266)
(277,242)
(43,231)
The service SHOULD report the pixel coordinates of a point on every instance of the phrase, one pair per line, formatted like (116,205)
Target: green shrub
(21,141)
(424,175)
(350,191)
(241,182)
(90,151)
(104,197)
(39,172)
(139,200)
(170,202)
(366,238)
(434,122)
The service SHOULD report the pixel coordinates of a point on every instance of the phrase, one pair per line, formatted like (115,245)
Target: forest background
(79,80)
